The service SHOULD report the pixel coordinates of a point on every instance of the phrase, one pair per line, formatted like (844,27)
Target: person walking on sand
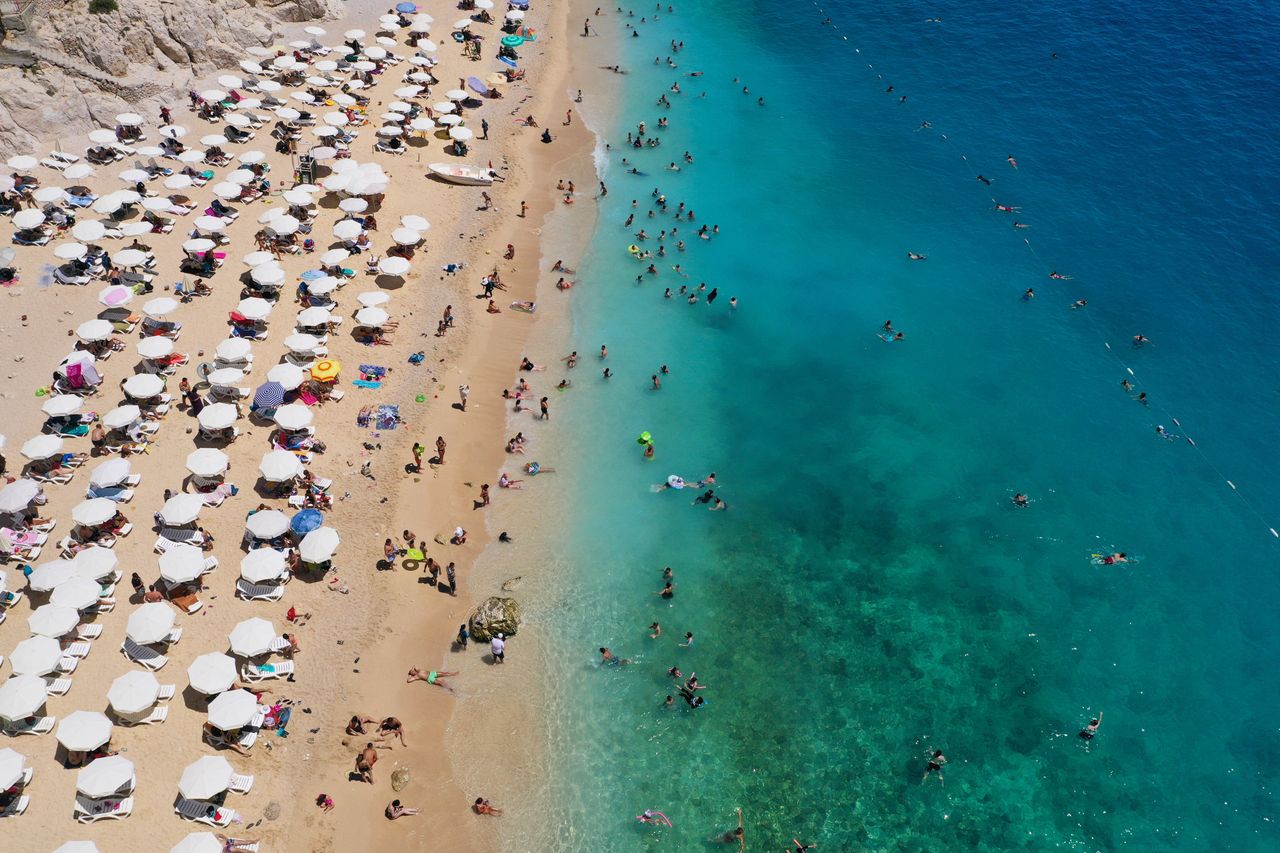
(449,572)
(464,391)
(484,494)
(418,450)
(545,405)
(440,446)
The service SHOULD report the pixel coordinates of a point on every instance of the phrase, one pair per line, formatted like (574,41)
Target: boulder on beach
(494,616)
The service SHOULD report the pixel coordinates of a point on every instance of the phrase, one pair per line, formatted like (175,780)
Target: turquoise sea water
(871,592)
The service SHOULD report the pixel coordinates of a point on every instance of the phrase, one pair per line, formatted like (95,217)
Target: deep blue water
(871,592)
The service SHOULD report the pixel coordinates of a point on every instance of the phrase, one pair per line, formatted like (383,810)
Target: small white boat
(461,173)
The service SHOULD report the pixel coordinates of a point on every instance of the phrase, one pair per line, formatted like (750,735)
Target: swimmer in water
(1113,559)
(1164,433)
(1004,208)
(1021,500)
(1140,340)
(1059,276)
(1126,384)
(1079,303)
(984,180)
(1029,295)
(733,836)
(609,658)
(936,761)
(915,256)
(1088,732)
(1012,162)
(1020,225)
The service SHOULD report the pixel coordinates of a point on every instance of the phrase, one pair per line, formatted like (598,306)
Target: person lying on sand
(430,676)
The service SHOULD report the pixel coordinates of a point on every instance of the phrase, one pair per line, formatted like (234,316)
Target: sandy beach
(355,647)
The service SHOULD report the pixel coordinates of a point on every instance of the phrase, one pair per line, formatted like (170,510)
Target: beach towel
(364,383)
(388,417)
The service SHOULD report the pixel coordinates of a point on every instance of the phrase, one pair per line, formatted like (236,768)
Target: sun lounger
(258,592)
(109,808)
(59,686)
(166,693)
(202,812)
(80,649)
(88,632)
(248,737)
(17,807)
(60,479)
(104,605)
(40,726)
(67,664)
(253,673)
(12,598)
(240,784)
(147,657)
(280,644)
(174,636)
(158,714)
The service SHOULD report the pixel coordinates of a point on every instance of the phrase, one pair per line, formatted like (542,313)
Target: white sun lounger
(108,808)
(198,810)
(148,657)
(252,672)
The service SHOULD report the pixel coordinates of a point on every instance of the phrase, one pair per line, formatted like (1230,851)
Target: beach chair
(109,808)
(147,657)
(166,693)
(248,737)
(280,644)
(203,812)
(104,605)
(210,563)
(17,807)
(85,631)
(79,649)
(60,479)
(12,598)
(158,714)
(174,636)
(240,784)
(27,773)
(253,673)
(258,592)
(40,726)
(59,686)
(68,664)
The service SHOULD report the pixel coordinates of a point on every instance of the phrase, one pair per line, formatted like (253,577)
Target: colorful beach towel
(388,417)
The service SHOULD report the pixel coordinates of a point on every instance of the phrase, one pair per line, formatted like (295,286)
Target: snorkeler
(1091,729)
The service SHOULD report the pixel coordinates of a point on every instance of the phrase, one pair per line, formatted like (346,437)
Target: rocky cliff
(89,67)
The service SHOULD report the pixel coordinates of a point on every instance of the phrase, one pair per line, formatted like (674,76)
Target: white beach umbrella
(70,251)
(88,230)
(288,113)
(181,509)
(62,405)
(335,119)
(298,198)
(251,157)
(406,237)
(268,215)
(233,349)
(333,257)
(22,161)
(262,565)
(42,447)
(288,376)
(151,623)
(77,171)
(353,205)
(325,132)
(294,416)
(217,416)
(214,95)
(12,767)
(173,131)
(18,495)
(362,65)
(376,53)
(319,545)
(211,224)
(371,317)
(248,66)
(390,130)
(156,204)
(462,24)
(135,229)
(29,218)
(129,119)
(393,266)
(312,31)
(129,258)
(314,316)
(212,673)
(182,564)
(278,466)
(373,299)
(82,731)
(323,286)
(134,692)
(424,124)
(304,97)
(347,229)
(133,176)
(252,637)
(206,777)
(224,377)
(35,656)
(46,576)
(78,593)
(45,195)
(267,275)
(257,259)
(110,473)
(450,121)
(198,245)
(179,182)
(141,386)
(53,620)
(267,524)
(284,225)
(94,511)
(208,462)
(226,189)
(456,95)
(121,417)
(104,776)
(444,107)
(241,176)
(425,47)
(109,203)
(233,709)
(254,308)
(21,696)
(95,562)
(270,86)
(155,347)
(301,343)
(160,306)
(461,134)
(102,136)
(415,223)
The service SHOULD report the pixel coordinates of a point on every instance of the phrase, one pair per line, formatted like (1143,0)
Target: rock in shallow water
(494,616)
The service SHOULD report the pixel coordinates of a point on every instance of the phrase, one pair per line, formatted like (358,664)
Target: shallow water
(871,592)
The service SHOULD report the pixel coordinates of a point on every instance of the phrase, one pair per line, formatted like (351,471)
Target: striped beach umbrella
(268,395)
